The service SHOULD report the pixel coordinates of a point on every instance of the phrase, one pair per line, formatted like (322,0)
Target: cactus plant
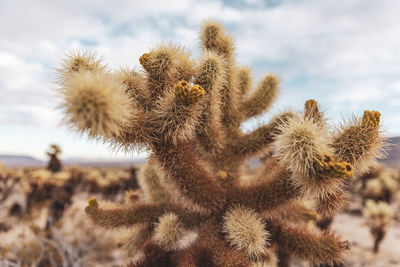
(187,114)
(54,164)
(379,216)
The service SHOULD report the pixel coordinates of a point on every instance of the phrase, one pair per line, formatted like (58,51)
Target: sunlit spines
(96,103)
(169,233)
(300,145)
(176,115)
(79,62)
(246,231)
(262,98)
(360,141)
(304,147)
(165,66)
(244,80)
(268,260)
(135,85)
(210,76)
(214,38)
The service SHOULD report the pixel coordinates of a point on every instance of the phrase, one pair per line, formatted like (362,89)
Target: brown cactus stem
(267,196)
(379,235)
(143,213)
(322,248)
(283,258)
(184,169)
(255,142)
(201,254)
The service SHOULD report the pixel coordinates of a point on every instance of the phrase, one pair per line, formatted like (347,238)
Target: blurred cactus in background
(379,216)
(198,209)
(54,164)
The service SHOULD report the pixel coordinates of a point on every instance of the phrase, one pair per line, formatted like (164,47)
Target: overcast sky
(345,54)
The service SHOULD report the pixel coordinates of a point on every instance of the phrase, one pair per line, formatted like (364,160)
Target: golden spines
(186,95)
(371,119)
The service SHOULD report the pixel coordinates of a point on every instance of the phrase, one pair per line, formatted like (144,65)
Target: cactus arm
(211,77)
(269,195)
(244,80)
(213,38)
(165,66)
(332,203)
(258,141)
(142,213)
(211,250)
(184,169)
(176,114)
(323,248)
(360,142)
(262,99)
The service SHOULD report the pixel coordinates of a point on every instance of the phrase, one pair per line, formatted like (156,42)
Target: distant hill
(21,161)
(392,160)
(16,160)
(393,153)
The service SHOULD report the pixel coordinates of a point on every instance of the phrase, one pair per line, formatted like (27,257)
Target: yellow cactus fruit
(334,169)
(144,59)
(181,90)
(371,119)
(222,175)
(195,93)
(93,203)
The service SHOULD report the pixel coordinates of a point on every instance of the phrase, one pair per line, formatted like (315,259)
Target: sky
(344,54)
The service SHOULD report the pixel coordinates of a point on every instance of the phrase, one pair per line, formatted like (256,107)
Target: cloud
(346,56)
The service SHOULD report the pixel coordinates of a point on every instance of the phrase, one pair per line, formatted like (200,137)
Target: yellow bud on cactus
(195,93)
(312,215)
(183,94)
(144,59)
(182,90)
(222,175)
(93,203)
(334,169)
(371,119)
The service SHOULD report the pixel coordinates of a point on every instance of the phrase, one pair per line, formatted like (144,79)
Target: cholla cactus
(187,113)
(382,186)
(54,164)
(379,216)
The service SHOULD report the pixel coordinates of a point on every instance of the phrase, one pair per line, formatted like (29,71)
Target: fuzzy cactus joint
(199,207)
